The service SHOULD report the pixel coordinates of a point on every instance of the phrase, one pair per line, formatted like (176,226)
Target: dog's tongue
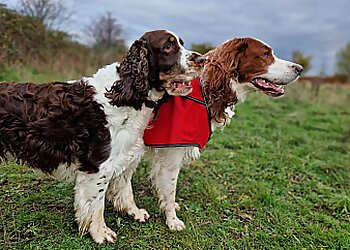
(267,85)
(181,85)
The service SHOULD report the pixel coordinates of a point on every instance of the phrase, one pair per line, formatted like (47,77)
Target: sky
(317,28)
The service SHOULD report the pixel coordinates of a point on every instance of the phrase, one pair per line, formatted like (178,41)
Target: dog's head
(244,65)
(157,61)
(259,67)
(252,62)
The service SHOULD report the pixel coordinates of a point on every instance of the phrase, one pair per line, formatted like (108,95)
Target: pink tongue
(268,85)
(179,85)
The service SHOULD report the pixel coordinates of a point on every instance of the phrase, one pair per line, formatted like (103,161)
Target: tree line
(31,35)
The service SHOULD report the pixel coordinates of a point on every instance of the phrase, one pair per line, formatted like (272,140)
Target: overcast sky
(315,27)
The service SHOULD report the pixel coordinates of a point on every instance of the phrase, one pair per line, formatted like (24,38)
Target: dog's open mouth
(268,87)
(178,88)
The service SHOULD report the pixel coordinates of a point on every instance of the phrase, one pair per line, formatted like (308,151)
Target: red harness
(181,122)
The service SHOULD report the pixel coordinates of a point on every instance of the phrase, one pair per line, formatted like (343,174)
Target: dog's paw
(140,215)
(103,235)
(175,224)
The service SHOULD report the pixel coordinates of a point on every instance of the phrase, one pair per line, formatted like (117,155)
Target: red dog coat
(182,121)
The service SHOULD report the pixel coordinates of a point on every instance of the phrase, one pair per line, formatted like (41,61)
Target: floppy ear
(133,86)
(220,70)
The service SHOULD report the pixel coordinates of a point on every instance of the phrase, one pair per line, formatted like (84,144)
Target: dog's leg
(90,190)
(121,195)
(166,164)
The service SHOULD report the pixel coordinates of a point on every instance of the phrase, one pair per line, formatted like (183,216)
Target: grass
(27,73)
(276,178)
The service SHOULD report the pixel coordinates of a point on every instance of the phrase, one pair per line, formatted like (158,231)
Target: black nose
(200,59)
(298,68)
(197,58)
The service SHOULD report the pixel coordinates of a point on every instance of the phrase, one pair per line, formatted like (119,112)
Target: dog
(92,129)
(232,71)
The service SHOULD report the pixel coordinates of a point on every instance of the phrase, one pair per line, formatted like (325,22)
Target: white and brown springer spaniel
(232,71)
(92,129)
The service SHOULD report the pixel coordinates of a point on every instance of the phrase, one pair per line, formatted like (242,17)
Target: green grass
(277,178)
(26,73)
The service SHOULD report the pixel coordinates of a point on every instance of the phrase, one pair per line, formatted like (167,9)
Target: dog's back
(45,125)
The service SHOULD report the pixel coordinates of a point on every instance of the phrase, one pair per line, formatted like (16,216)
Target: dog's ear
(133,86)
(227,56)
(237,47)
(220,71)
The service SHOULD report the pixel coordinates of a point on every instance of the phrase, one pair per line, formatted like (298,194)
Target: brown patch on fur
(240,60)
(45,125)
(133,86)
(218,72)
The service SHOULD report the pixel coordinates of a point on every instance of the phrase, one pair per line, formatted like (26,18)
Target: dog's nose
(298,68)
(198,58)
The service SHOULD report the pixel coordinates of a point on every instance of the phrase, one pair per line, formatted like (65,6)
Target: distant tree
(202,47)
(343,62)
(106,32)
(50,12)
(300,58)
(20,36)
(25,40)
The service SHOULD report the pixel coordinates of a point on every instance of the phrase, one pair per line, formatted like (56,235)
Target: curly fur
(133,86)
(219,71)
(48,124)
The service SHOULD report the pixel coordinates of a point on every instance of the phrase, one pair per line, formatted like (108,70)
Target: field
(277,178)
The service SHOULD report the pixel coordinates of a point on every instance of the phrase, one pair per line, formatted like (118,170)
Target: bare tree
(105,31)
(51,12)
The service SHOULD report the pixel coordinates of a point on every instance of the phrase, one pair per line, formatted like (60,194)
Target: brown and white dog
(92,129)
(232,71)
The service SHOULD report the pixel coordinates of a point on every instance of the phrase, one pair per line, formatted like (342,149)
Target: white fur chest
(125,124)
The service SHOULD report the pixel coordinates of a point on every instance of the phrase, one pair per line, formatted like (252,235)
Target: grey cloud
(315,27)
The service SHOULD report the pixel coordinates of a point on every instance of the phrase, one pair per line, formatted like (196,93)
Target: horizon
(314,29)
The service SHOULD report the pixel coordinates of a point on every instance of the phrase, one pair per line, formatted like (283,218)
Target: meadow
(277,177)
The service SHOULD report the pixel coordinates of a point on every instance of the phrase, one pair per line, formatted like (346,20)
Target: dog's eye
(168,47)
(266,54)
